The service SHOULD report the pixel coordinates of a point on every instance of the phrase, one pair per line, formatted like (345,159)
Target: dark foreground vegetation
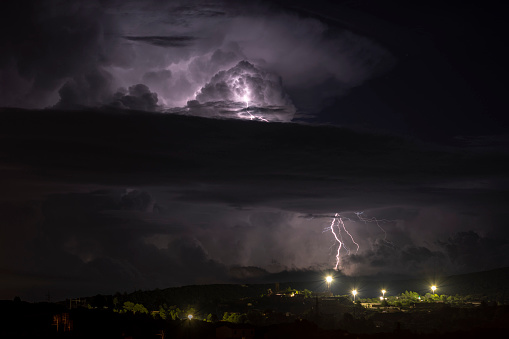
(276,314)
(480,309)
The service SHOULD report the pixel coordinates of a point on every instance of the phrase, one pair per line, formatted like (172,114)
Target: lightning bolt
(340,242)
(377,221)
(337,222)
(243,94)
(251,116)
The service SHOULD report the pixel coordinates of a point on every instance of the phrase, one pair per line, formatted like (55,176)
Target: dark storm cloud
(91,89)
(459,253)
(80,53)
(138,97)
(164,41)
(200,10)
(137,200)
(109,199)
(192,195)
(48,43)
(471,251)
(99,241)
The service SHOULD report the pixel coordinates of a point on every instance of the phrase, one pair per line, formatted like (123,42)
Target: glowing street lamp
(354,292)
(190,316)
(433,288)
(328,279)
(383,294)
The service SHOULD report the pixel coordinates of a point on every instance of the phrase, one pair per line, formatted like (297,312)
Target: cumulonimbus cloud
(245,83)
(86,51)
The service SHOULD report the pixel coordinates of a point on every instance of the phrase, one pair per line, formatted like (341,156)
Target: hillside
(490,285)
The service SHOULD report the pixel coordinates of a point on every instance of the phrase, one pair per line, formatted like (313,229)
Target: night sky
(150,144)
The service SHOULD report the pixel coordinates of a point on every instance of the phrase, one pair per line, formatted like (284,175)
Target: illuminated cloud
(245,83)
(243,91)
(124,199)
(86,51)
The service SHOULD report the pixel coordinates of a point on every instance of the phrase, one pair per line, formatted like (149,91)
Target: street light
(190,316)
(354,292)
(328,279)
(433,288)
(383,293)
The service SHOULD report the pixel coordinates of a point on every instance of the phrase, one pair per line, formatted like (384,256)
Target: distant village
(214,312)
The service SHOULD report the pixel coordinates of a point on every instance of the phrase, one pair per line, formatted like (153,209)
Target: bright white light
(354,292)
(328,279)
(433,288)
(190,316)
(245,92)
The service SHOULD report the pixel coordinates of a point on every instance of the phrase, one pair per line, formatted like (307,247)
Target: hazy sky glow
(113,180)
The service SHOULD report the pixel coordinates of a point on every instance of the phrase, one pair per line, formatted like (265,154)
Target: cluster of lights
(328,280)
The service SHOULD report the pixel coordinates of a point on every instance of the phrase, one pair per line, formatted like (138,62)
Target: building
(371,305)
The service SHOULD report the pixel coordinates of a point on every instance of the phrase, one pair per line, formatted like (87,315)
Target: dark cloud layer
(164,41)
(99,195)
(128,200)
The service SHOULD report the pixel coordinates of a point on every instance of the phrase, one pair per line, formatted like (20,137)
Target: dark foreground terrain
(50,320)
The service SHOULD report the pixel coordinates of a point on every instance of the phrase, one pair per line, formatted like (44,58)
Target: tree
(236,318)
(139,308)
(307,293)
(128,306)
(175,313)
(162,313)
(410,295)
(134,308)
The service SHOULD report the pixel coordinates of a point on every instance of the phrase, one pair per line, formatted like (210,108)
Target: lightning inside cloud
(337,222)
